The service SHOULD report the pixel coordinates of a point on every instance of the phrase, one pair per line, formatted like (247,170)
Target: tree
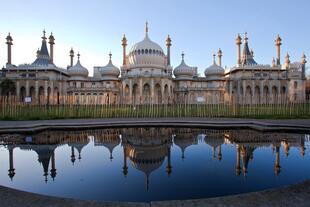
(7,87)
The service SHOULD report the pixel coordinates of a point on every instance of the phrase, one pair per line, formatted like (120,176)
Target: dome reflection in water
(146,164)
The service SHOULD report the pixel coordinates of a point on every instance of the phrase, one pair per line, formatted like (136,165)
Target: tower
(219,56)
(278,43)
(287,61)
(51,42)
(71,57)
(277,161)
(168,44)
(124,44)
(9,42)
(238,168)
(11,163)
(169,167)
(53,170)
(303,62)
(238,43)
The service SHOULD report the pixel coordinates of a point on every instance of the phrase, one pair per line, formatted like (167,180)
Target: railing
(109,107)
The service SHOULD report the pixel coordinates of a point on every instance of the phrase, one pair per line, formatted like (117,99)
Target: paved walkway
(258,124)
(295,195)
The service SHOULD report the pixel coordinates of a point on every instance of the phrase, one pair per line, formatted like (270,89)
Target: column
(130,91)
(17,90)
(152,90)
(27,88)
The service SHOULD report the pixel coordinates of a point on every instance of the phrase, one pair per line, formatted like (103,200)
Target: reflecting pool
(149,164)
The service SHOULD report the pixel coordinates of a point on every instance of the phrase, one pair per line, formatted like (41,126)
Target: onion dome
(78,69)
(109,71)
(214,70)
(146,52)
(183,70)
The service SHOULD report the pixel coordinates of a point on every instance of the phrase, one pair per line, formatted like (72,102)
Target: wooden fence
(92,107)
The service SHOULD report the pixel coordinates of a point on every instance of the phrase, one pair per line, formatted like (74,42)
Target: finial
(78,55)
(245,37)
(182,55)
(44,38)
(252,52)
(146,27)
(219,52)
(273,62)
(238,39)
(303,58)
(110,55)
(213,54)
(287,58)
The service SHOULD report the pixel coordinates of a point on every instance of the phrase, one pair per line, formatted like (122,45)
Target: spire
(219,55)
(247,58)
(110,56)
(213,60)
(124,44)
(9,42)
(287,58)
(182,56)
(78,55)
(44,38)
(43,58)
(168,44)
(238,43)
(273,63)
(146,28)
(303,58)
(278,44)
(71,57)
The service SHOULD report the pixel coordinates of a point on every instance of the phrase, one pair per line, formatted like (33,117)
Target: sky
(197,27)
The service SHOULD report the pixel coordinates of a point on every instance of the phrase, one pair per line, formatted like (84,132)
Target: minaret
(277,161)
(71,57)
(168,44)
(278,47)
(124,44)
(219,153)
(219,56)
(125,168)
(287,61)
(169,167)
(238,43)
(213,58)
(238,168)
(51,42)
(72,155)
(9,42)
(273,62)
(11,163)
(303,62)
(53,170)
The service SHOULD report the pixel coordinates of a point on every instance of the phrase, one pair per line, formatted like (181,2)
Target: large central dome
(146,52)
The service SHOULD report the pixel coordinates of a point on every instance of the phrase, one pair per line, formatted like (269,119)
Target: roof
(247,57)
(43,57)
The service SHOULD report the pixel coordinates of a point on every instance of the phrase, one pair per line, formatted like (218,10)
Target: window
(82,85)
(295,84)
(74,84)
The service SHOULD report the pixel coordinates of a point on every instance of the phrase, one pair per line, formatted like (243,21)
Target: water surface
(147,164)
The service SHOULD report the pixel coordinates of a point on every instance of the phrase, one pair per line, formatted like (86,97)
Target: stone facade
(146,77)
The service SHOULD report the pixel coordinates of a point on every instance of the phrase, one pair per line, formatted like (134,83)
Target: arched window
(139,52)
(146,51)
(142,51)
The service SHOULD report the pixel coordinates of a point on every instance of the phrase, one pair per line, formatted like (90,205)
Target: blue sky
(197,27)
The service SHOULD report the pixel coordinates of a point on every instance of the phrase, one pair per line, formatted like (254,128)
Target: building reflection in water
(147,148)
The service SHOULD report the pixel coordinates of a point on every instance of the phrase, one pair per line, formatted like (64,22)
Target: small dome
(109,70)
(214,70)
(146,52)
(78,69)
(183,70)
